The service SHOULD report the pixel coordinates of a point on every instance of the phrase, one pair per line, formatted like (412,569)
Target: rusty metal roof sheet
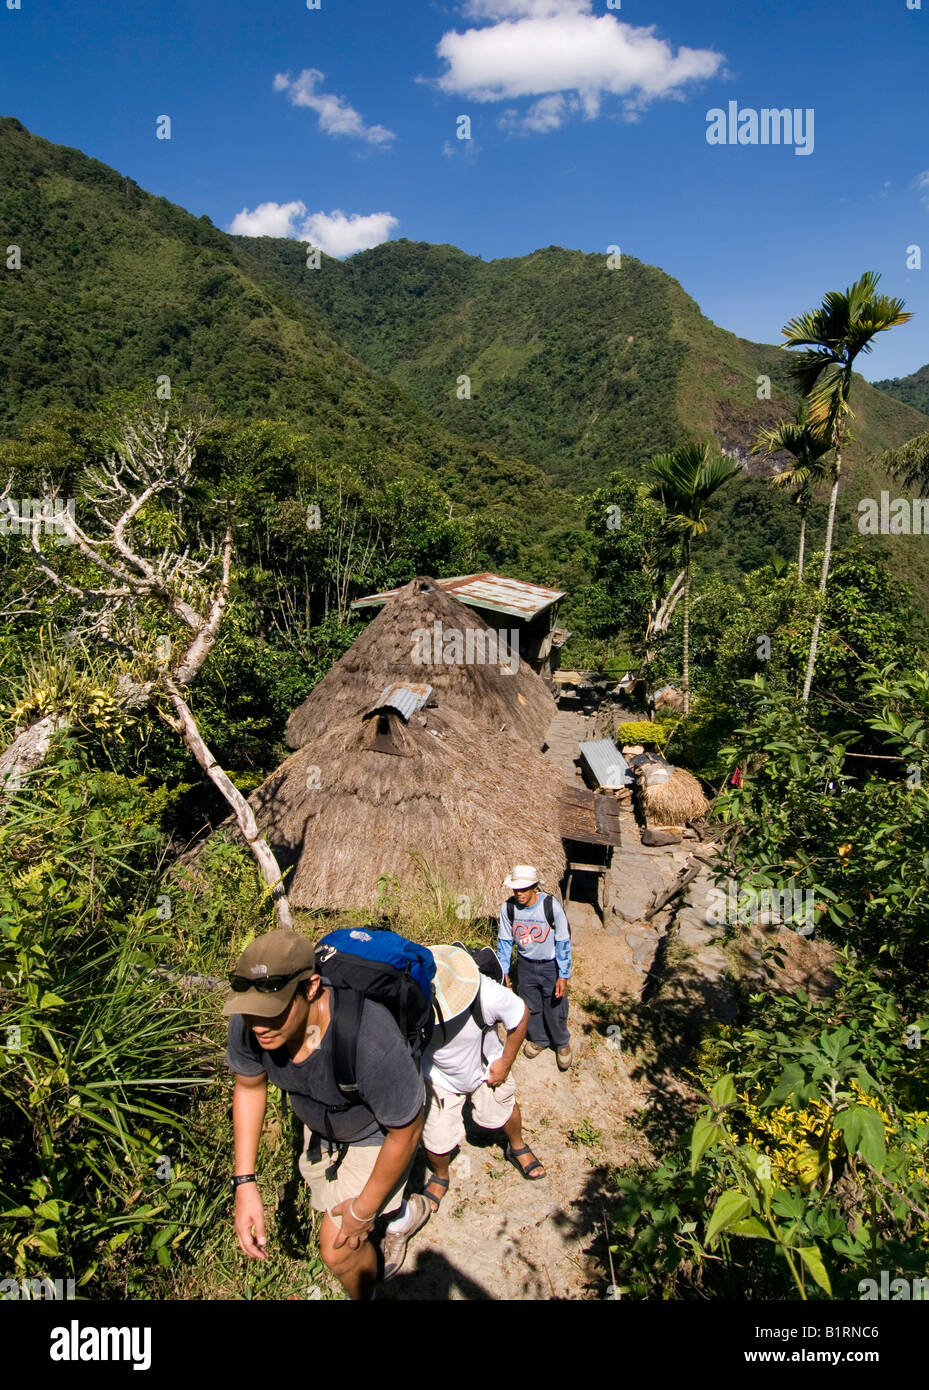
(402,696)
(494,591)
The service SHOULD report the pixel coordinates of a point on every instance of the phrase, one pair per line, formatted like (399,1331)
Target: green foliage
(804,1172)
(860,843)
(101,1059)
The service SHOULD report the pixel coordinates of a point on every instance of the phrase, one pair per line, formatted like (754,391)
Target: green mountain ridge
(572,365)
(575,369)
(118,288)
(912,390)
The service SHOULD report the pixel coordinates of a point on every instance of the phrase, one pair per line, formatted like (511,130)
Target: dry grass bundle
(675,802)
(464,800)
(482,689)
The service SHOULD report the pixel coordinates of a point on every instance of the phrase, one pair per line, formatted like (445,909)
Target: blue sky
(588,129)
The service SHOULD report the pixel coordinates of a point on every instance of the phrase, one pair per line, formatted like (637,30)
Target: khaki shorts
(350,1180)
(444,1127)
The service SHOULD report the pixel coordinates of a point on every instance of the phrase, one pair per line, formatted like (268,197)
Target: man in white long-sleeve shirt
(538,925)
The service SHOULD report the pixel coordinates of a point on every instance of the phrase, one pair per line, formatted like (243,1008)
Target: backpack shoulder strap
(549,908)
(477,1013)
(346,1006)
(511,910)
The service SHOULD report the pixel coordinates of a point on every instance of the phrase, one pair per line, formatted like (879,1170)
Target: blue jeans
(548,1016)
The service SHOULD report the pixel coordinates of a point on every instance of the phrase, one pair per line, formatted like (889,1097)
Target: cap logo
(361,935)
(258,970)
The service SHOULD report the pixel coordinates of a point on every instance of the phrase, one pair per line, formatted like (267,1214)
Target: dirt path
(498,1236)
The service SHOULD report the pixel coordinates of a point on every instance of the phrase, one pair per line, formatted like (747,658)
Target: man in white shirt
(465,1059)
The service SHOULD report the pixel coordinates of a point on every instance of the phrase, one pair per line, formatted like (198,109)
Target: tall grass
(115,1132)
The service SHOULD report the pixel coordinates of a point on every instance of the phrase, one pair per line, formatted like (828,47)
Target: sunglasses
(265,984)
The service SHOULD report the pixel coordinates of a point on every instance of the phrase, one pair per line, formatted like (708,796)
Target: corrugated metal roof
(402,696)
(494,591)
(607,764)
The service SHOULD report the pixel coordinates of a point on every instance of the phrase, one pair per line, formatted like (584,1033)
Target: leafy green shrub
(101,1057)
(650,735)
(805,1171)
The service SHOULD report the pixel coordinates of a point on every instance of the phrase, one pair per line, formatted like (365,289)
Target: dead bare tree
(153,460)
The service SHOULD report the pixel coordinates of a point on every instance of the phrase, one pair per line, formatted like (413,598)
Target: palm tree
(684,482)
(808,450)
(831,337)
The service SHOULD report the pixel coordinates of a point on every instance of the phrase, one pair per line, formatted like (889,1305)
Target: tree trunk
(28,750)
(817,621)
(244,814)
(660,621)
(687,637)
(802,547)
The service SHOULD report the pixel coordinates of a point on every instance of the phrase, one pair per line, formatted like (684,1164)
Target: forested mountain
(575,369)
(912,390)
(574,366)
(118,288)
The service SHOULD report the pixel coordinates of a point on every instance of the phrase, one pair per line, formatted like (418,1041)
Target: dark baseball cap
(277,954)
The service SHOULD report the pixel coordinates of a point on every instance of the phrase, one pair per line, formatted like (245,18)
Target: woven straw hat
(457,980)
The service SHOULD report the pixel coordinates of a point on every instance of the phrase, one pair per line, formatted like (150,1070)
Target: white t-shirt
(457,1065)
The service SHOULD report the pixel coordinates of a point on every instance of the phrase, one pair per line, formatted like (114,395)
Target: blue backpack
(362,963)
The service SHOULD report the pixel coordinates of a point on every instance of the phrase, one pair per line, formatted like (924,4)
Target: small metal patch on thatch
(401,697)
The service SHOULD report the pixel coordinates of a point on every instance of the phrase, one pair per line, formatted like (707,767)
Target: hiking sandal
(514,1155)
(439,1182)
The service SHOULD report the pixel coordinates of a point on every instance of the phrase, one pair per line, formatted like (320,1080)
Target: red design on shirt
(525,932)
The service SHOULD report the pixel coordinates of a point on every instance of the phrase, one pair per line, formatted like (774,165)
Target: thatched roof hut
(424,634)
(384,777)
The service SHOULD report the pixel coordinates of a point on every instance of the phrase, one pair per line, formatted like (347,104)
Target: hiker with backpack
(465,1059)
(537,923)
(336,1027)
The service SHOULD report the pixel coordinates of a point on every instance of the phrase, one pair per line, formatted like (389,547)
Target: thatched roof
(471,801)
(484,691)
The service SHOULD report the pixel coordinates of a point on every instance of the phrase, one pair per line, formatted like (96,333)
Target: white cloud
(549,48)
(336,116)
(548,113)
(268,219)
(335,234)
(921,182)
(339,235)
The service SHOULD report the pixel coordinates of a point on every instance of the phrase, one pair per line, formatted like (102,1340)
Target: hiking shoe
(531,1049)
(563,1056)
(393,1244)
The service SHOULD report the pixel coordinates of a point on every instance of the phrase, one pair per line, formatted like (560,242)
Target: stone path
(639,873)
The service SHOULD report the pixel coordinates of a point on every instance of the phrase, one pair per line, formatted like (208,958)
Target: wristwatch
(237,1182)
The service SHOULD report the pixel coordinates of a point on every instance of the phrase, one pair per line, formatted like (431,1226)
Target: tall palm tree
(831,337)
(808,451)
(684,482)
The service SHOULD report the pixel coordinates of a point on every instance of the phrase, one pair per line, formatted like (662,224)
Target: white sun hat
(523,876)
(457,981)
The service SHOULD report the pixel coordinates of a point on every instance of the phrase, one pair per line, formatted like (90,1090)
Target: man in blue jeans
(543,943)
